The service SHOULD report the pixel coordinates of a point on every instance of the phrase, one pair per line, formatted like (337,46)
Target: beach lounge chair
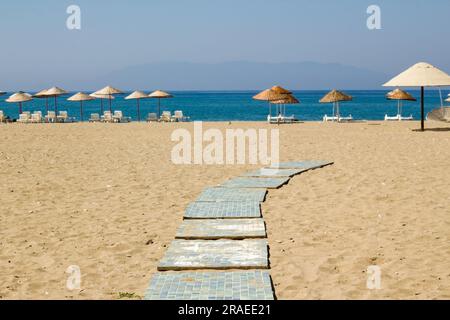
(179,117)
(440,114)
(24,117)
(95,117)
(63,116)
(166,116)
(327,118)
(152,117)
(398,118)
(2,117)
(50,117)
(118,117)
(345,119)
(281,119)
(337,118)
(107,117)
(36,117)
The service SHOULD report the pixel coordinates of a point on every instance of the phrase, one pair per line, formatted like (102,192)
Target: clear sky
(37,50)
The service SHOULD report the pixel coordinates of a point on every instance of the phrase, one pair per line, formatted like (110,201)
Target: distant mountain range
(242,76)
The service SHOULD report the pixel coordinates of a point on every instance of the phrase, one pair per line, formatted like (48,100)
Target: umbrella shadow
(446,129)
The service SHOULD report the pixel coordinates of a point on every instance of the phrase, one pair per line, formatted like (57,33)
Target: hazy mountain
(242,76)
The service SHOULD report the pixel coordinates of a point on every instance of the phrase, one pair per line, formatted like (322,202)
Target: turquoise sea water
(234,106)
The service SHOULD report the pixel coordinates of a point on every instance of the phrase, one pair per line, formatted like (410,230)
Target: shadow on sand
(446,129)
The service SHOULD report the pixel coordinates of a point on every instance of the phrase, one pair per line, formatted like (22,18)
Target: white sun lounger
(24,117)
(398,118)
(119,117)
(281,119)
(107,117)
(63,116)
(95,117)
(50,117)
(152,117)
(36,117)
(179,117)
(166,116)
(440,114)
(327,118)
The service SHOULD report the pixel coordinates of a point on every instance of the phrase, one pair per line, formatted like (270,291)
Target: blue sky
(38,50)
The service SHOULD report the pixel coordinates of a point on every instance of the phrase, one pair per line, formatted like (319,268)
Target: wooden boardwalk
(223,232)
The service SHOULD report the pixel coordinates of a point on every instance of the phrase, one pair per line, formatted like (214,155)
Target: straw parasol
(19,97)
(275,93)
(288,99)
(420,75)
(54,92)
(279,89)
(42,95)
(269,95)
(158,94)
(101,97)
(334,97)
(80,96)
(108,92)
(137,95)
(399,95)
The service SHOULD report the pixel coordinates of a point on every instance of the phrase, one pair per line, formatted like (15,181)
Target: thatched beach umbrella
(55,92)
(158,94)
(269,95)
(335,97)
(19,97)
(137,95)
(400,95)
(80,96)
(273,94)
(108,91)
(288,99)
(420,75)
(42,95)
(279,89)
(101,97)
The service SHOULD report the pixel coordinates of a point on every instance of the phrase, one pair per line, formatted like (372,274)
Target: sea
(239,105)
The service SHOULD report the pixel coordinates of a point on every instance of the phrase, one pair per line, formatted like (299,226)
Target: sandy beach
(107,198)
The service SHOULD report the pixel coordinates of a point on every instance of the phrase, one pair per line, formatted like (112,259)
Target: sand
(108,199)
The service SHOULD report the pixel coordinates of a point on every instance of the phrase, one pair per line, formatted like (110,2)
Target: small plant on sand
(129,295)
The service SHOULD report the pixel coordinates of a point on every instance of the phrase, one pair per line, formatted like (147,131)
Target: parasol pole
(138,110)
(159,108)
(422,108)
(81,111)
